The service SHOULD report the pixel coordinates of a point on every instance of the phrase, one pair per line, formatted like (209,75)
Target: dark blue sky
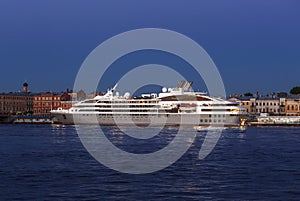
(255,44)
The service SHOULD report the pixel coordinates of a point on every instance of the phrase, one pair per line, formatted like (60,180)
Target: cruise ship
(173,106)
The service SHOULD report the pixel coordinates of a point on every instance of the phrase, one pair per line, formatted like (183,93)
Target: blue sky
(255,44)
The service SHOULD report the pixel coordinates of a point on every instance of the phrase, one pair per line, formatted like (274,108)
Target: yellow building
(292,107)
(243,101)
(255,106)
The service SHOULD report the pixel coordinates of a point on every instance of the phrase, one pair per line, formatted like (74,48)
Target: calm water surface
(45,162)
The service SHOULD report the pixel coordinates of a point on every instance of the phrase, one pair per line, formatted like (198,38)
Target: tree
(248,94)
(295,90)
(282,94)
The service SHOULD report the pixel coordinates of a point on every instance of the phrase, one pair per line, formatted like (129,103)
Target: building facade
(37,104)
(292,107)
(43,103)
(17,103)
(65,105)
(257,105)
(272,106)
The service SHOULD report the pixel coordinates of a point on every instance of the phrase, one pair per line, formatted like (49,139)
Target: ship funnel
(187,86)
(180,84)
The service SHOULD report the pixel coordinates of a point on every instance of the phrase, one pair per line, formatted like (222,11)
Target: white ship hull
(154,120)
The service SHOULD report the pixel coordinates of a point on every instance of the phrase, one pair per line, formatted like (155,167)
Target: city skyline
(254,47)
(144,89)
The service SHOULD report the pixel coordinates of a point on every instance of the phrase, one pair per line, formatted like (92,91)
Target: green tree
(248,94)
(295,90)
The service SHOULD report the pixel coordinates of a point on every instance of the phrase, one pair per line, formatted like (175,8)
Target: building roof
(293,96)
(242,98)
(267,98)
(247,98)
(29,94)
(17,94)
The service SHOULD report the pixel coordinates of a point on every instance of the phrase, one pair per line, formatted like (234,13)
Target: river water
(46,162)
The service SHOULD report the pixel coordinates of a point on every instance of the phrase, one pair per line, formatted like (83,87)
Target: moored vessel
(173,106)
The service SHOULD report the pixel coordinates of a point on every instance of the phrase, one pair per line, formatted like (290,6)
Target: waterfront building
(37,104)
(15,103)
(293,106)
(271,105)
(65,105)
(43,103)
(243,101)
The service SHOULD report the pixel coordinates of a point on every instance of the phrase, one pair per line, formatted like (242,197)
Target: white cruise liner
(173,106)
